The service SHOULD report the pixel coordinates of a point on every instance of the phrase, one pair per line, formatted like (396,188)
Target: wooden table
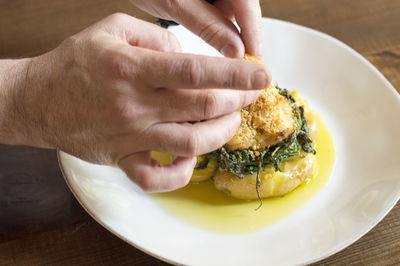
(41,222)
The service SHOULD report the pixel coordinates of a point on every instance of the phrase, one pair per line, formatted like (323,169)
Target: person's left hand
(213,23)
(120,89)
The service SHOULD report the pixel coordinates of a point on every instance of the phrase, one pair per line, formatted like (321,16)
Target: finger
(249,18)
(175,105)
(203,19)
(177,70)
(140,33)
(146,172)
(172,107)
(193,139)
(226,8)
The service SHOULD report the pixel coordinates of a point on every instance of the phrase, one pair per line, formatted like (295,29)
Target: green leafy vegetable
(203,163)
(249,161)
(285,93)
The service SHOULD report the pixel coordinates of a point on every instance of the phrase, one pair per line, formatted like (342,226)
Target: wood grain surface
(40,221)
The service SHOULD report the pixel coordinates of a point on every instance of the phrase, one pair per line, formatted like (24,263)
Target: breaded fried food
(272,151)
(265,122)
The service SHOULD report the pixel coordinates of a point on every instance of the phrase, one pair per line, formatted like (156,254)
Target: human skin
(118,90)
(213,22)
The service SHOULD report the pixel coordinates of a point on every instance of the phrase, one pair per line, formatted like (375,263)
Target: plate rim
(97,219)
(395,94)
(322,256)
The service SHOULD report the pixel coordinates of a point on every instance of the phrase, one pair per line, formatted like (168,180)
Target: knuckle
(172,6)
(121,112)
(124,110)
(192,144)
(210,106)
(235,79)
(117,66)
(210,32)
(232,102)
(192,71)
(146,182)
(117,17)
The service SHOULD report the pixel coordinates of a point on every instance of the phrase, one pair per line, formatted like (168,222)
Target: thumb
(140,33)
(149,175)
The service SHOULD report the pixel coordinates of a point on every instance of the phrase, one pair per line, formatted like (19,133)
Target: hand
(118,90)
(213,23)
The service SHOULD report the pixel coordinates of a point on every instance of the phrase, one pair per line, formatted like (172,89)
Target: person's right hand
(214,22)
(118,90)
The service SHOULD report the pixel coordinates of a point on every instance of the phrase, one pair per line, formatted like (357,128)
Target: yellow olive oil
(201,205)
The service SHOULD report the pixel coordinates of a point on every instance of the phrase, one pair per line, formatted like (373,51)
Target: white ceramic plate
(362,111)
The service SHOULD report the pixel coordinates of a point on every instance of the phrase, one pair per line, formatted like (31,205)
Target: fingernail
(228,51)
(259,80)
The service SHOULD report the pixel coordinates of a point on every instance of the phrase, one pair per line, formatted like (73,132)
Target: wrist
(12,73)
(15,124)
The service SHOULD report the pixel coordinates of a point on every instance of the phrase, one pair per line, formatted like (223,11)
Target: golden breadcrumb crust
(265,122)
